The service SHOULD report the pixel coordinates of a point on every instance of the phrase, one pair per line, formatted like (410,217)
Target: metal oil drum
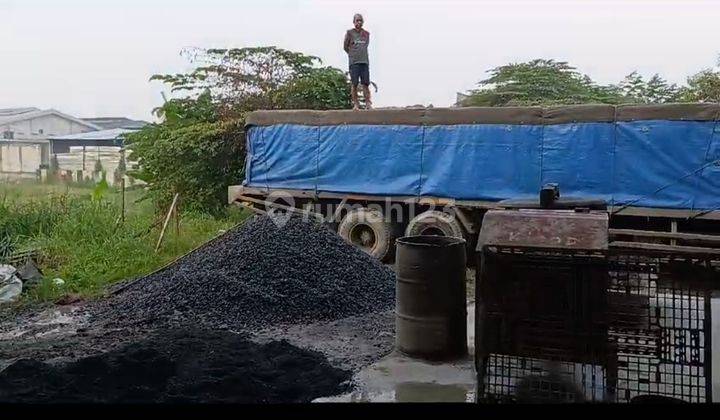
(430,310)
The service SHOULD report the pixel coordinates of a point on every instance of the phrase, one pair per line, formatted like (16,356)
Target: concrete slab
(398,378)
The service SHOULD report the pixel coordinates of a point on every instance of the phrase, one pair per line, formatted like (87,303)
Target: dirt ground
(350,343)
(52,344)
(62,334)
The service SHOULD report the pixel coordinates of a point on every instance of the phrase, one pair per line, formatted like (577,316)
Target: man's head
(358,21)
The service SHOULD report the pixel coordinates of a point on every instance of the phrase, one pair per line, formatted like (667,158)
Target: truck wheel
(367,229)
(434,223)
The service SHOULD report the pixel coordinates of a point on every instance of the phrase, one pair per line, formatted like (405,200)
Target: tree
(198,161)
(199,148)
(633,87)
(121,169)
(539,81)
(188,110)
(244,79)
(658,91)
(654,91)
(323,88)
(702,87)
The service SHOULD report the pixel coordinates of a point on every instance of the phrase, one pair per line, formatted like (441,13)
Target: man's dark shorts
(360,71)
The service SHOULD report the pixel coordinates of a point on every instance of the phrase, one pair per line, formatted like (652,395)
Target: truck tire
(435,223)
(367,229)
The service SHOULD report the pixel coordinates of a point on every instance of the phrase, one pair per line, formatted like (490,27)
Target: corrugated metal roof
(4,112)
(116,122)
(113,134)
(6,119)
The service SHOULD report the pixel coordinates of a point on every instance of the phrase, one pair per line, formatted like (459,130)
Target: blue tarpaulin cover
(659,163)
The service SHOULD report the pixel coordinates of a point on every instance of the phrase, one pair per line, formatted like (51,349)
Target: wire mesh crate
(573,327)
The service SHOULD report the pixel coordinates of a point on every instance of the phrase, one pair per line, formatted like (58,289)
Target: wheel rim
(363,237)
(432,231)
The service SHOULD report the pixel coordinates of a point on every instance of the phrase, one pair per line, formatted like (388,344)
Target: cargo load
(662,156)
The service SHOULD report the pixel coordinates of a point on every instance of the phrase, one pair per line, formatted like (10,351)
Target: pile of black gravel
(179,366)
(260,274)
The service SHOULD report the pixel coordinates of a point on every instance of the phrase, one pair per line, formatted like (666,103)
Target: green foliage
(101,188)
(245,79)
(323,88)
(539,81)
(89,252)
(22,220)
(633,85)
(81,242)
(654,91)
(187,111)
(240,71)
(659,91)
(7,246)
(199,148)
(550,82)
(198,161)
(702,87)
(121,169)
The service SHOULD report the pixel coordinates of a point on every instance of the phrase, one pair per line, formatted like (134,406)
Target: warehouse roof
(116,122)
(12,115)
(112,134)
(4,112)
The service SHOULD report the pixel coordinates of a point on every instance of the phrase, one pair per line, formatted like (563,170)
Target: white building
(78,154)
(24,144)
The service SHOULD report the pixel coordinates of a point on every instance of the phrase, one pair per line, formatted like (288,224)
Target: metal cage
(572,326)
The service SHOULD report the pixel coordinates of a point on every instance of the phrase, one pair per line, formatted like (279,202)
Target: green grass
(31,191)
(82,242)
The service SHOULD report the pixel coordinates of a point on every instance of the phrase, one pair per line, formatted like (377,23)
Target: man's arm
(368,36)
(346,43)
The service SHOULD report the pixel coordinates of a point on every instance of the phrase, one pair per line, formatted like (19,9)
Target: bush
(323,88)
(81,241)
(90,251)
(22,220)
(199,148)
(198,161)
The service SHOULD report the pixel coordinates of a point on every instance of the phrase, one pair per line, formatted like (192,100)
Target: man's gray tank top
(358,52)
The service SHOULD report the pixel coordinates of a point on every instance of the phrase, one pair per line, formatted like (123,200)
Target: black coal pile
(262,273)
(179,366)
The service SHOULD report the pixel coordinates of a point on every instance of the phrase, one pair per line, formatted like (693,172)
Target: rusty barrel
(430,308)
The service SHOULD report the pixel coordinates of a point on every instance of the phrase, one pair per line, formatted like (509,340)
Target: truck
(376,175)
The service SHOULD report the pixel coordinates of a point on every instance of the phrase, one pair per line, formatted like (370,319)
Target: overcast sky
(94,58)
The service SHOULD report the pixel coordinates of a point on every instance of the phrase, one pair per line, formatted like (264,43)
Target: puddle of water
(52,322)
(430,392)
(409,392)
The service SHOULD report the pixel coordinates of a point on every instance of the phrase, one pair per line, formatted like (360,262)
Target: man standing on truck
(356,46)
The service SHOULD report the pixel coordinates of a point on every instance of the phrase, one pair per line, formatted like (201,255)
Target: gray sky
(94,58)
